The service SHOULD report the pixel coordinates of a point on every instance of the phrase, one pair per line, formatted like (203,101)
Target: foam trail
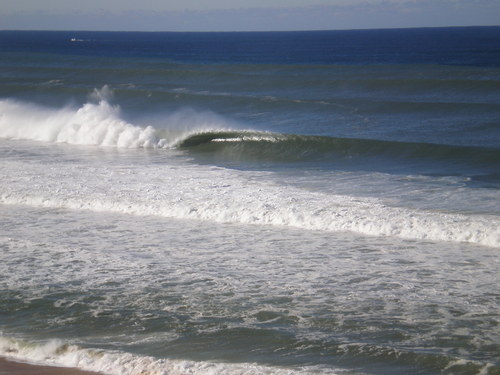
(195,192)
(228,196)
(58,353)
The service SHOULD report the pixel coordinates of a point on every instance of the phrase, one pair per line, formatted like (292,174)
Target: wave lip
(292,147)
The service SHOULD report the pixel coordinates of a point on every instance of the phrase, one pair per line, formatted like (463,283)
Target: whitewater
(251,203)
(191,191)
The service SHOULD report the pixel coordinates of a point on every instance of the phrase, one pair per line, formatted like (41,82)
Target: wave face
(295,148)
(211,137)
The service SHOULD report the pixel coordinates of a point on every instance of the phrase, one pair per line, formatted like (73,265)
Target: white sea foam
(92,124)
(99,123)
(226,196)
(191,191)
(57,353)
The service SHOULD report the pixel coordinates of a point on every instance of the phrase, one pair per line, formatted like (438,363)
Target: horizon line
(251,31)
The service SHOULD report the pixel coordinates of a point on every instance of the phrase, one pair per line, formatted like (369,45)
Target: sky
(243,15)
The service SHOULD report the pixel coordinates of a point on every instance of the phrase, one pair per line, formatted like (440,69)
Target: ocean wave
(229,196)
(92,124)
(100,123)
(274,146)
(63,354)
(342,214)
(59,353)
(218,194)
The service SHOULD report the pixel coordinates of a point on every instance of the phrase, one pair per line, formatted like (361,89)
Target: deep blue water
(477,46)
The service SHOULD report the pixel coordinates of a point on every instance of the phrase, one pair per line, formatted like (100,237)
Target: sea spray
(92,124)
(100,123)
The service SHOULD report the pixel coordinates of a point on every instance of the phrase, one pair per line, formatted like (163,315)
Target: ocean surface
(251,203)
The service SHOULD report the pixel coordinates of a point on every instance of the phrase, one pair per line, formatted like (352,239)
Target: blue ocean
(321,202)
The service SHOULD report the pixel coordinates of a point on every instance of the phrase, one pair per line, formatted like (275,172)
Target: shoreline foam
(9,367)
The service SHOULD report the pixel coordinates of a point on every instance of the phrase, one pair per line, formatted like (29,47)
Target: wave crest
(92,124)
(99,123)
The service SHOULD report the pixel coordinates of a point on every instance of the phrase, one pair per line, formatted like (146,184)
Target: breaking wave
(58,353)
(291,147)
(228,196)
(221,195)
(61,354)
(99,123)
